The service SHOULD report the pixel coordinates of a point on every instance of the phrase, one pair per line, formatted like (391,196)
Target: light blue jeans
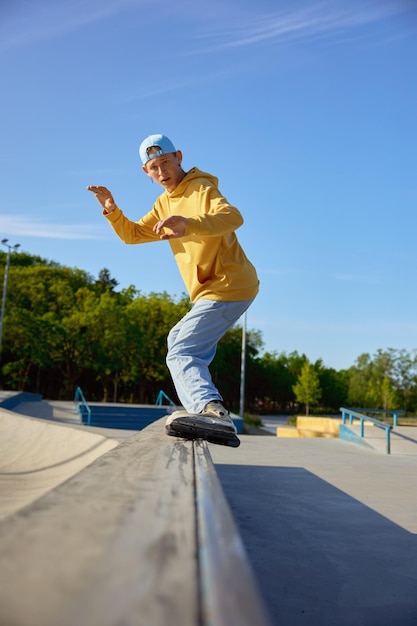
(192,345)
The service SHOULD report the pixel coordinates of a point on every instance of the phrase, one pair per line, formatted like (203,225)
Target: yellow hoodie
(210,259)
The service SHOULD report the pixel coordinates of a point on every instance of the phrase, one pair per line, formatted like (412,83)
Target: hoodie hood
(193,174)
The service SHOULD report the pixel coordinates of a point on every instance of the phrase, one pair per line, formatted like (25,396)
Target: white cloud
(31,21)
(320,19)
(23,226)
(35,21)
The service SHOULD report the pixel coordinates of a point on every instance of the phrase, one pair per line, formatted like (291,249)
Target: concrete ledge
(293,432)
(229,594)
(327,427)
(141,537)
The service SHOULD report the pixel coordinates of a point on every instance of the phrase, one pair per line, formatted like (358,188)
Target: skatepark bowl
(115,527)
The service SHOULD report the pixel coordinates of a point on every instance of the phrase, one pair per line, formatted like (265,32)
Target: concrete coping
(141,537)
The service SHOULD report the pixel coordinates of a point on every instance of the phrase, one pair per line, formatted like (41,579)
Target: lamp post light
(6,277)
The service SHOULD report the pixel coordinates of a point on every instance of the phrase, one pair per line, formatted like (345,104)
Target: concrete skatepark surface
(42,444)
(330,528)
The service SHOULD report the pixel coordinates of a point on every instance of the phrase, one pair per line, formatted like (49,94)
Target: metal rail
(163,396)
(394,412)
(350,415)
(81,406)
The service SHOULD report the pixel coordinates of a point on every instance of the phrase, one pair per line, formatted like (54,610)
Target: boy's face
(165,169)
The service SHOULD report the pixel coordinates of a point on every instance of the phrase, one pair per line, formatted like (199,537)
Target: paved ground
(330,528)
(403,439)
(271,422)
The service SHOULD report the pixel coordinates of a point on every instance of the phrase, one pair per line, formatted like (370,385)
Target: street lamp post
(243,368)
(6,277)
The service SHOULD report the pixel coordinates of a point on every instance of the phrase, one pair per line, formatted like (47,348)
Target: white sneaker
(214,416)
(175,415)
(215,409)
(204,425)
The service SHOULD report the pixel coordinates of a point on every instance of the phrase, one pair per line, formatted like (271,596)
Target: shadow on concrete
(321,557)
(57,412)
(401,435)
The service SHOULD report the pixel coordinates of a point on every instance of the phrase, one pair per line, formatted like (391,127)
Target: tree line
(64,328)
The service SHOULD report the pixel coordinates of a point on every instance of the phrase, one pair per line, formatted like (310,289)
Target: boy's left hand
(175,225)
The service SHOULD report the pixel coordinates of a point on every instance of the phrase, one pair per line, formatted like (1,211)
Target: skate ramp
(37,455)
(141,537)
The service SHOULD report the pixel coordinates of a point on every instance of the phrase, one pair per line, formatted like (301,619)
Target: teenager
(199,224)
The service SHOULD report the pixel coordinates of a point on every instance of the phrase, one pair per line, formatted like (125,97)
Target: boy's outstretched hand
(104,196)
(174,227)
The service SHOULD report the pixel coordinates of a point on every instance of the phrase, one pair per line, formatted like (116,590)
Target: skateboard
(212,429)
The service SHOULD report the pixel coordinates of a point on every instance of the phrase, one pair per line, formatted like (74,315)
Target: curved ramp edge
(37,455)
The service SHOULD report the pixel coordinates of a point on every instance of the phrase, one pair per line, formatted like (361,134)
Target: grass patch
(406,421)
(252,420)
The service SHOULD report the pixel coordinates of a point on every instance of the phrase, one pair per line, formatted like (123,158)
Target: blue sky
(305,110)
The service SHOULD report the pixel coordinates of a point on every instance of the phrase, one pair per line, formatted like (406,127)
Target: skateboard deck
(190,426)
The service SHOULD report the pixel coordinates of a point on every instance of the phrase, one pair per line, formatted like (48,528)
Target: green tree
(404,377)
(334,386)
(105,282)
(41,296)
(307,388)
(62,326)
(102,318)
(149,319)
(274,382)
(226,365)
(371,381)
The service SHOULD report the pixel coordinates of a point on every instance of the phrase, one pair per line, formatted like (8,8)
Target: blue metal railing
(163,396)
(350,415)
(394,412)
(81,405)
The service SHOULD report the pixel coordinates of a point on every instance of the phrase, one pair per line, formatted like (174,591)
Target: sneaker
(215,409)
(220,416)
(214,429)
(213,419)
(175,415)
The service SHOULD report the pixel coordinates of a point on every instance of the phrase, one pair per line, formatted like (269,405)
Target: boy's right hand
(104,197)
